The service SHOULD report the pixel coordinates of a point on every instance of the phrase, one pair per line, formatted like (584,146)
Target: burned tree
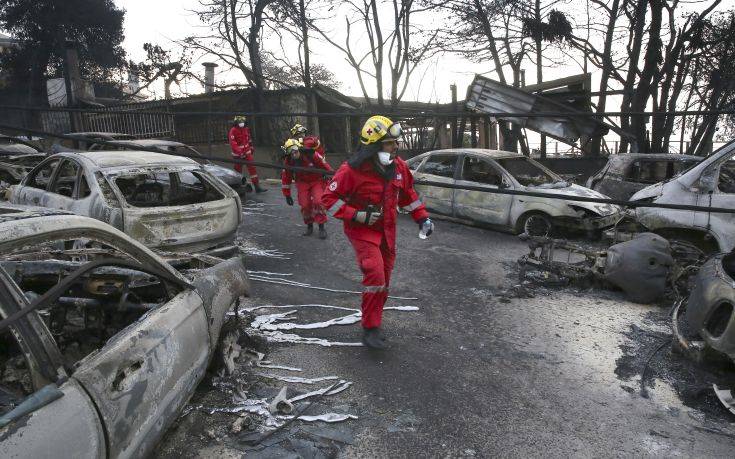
(162,64)
(234,34)
(395,47)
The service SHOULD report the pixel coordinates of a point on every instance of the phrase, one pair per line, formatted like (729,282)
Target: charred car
(103,342)
(229,176)
(709,309)
(493,169)
(85,140)
(163,201)
(710,183)
(17,158)
(626,174)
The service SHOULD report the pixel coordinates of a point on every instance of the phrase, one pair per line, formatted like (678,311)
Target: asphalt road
(477,371)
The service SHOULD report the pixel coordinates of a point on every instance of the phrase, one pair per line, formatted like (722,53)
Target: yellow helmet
(298,130)
(378,128)
(290,146)
(240,119)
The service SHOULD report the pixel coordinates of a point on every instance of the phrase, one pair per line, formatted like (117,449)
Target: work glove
(367,217)
(289,200)
(426,227)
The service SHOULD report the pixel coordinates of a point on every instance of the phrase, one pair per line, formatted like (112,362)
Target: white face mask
(384,158)
(241,124)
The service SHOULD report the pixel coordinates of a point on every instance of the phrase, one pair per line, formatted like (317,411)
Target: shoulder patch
(332,186)
(399,176)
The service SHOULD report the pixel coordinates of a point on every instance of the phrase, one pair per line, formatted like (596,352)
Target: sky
(164,21)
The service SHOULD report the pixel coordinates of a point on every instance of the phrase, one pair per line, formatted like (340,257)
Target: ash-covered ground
(483,368)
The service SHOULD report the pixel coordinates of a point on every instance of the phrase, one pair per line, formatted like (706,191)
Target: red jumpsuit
(242,148)
(310,186)
(352,190)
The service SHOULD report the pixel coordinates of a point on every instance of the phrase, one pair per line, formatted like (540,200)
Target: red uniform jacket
(240,140)
(312,141)
(354,189)
(315,161)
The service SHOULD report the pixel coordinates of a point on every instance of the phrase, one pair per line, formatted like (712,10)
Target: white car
(711,183)
(495,169)
(163,201)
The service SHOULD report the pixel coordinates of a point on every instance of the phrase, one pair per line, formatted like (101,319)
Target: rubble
(643,267)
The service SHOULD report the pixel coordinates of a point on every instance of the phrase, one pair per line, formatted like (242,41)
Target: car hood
(649,192)
(577,190)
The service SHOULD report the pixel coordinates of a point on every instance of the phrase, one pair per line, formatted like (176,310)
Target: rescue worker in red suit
(242,148)
(310,185)
(300,133)
(365,193)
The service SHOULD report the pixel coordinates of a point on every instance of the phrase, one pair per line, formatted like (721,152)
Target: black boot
(309,230)
(322,231)
(258,189)
(371,339)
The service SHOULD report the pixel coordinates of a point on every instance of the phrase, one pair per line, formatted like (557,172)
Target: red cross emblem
(369,131)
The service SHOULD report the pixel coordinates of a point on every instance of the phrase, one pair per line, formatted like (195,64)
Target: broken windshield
(529,173)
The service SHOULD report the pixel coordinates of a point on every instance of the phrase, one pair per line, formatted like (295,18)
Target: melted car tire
(535,224)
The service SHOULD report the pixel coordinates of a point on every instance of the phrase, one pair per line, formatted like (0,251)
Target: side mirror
(503,185)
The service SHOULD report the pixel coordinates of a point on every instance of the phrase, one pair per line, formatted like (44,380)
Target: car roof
(149,143)
(13,212)
(633,156)
(492,154)
(111,159)
(99,134)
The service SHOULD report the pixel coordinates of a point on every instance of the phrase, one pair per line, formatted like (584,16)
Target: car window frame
(35,171)
(500,171)
(456,168)
(75,189)
(717,188)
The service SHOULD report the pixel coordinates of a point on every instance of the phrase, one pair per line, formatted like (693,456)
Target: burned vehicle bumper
(710,306)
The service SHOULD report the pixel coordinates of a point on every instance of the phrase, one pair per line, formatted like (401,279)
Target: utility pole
(539,71)
(72,84)
(453,88)
(312,122)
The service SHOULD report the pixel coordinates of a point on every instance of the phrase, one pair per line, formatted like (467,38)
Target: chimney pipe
(209,77)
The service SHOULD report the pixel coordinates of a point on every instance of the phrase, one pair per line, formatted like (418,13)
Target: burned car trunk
(108,340)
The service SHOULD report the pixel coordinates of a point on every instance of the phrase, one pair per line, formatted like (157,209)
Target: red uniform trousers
(376,263)
(310,200)
(251,169)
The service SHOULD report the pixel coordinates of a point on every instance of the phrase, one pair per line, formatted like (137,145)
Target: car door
(488,208)
(723,195)
(66,426)
(438,167)
(147,371)
(33,188)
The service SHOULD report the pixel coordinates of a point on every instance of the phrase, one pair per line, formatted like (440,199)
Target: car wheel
(535,224)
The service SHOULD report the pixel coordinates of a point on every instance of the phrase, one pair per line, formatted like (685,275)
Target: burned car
(494,169)
(86,140)
(17,158)
(229,176)
(709,309)
(103,342)
(625,174)
(160,200)
(710,183)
